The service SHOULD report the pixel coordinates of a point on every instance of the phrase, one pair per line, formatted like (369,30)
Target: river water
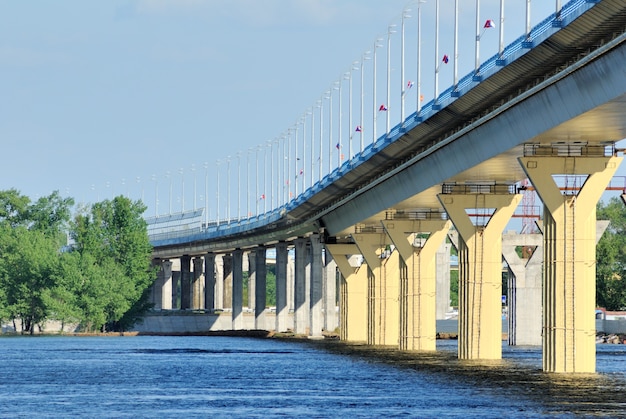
(229,377)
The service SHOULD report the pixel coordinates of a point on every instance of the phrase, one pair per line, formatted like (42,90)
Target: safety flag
(489,24)
(382,108)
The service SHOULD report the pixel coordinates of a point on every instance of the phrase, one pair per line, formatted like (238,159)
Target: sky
(150,98)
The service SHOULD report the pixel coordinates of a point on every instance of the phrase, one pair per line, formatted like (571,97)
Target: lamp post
(182,179)
(238,186)
(388,112)
(156,195)
(419,56)
(193,170)
(362,114)
(206,194)
(403,82)
(217,213)
(169,176)
(436,95)
(228,190)
(375,104)
(250,150)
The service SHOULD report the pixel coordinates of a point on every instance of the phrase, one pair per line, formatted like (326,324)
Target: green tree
(31,236)
(115,259)
(611,257)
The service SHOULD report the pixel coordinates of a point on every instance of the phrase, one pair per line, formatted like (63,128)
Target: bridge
(551,105)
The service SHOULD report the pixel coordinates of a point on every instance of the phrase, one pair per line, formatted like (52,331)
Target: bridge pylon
(569,252)
(417,241)
(383,285)
(480,214)
(352,292)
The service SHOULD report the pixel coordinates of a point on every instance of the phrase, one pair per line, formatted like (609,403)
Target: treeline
(92,267)
(611,257)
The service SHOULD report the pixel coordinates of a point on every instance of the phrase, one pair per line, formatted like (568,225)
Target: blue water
(226,377)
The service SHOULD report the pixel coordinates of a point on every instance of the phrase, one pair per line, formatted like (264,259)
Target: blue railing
(510,53)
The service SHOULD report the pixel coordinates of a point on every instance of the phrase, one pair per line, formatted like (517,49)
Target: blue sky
(104,98)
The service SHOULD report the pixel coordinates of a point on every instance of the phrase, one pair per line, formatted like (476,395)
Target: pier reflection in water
(199,377)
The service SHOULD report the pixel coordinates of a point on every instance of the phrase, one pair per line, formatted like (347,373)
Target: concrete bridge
(548,108)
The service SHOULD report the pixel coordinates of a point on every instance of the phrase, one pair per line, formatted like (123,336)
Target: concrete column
(569,257)
(301,309)
(237,290)
(251,278)
(176,290)
(209,281)
(525,283)
(281,287)
(442,299)
(383,291)
(227,283)
(291,284)
(316,303)
(353,301)
(418,329)
(157,286)
(166,293)
(480,270)
(330,293)
(260,288)
(219,282)
(185,282)
(197,288)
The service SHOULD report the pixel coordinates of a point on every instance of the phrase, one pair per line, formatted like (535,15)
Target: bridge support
(524,285)
(162,288)
(317,286)
(260,287)
(352,292)
(185,282)
(237,290)
(480,270)
(227,281)
(383,288)
(418,328)
(442,294)
(330,292)
(197,286)
(281,287)
(301,308)
(209,281)
(251,258)
(569,257)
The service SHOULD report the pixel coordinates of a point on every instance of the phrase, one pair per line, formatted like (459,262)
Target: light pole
(250,150)
(437,65)
(193,170)
(362,115)
(238,185)
(256,182)
(169,176)
(217,213)
(403,82)
(228,190)
(389,32)
(182,179)
(419,56)
(330,128)
(156,195)
(206,194)
(375,104)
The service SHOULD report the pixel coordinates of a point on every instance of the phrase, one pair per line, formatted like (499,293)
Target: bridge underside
(588,107)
